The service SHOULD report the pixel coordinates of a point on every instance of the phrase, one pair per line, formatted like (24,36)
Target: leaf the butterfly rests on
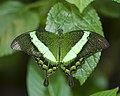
(65,50)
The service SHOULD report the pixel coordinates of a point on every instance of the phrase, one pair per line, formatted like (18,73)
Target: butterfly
(60,50)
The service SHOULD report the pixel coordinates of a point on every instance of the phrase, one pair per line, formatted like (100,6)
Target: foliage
(13,22)
(112,92)
(21,16)
(104,7)
(118,1)
(81,4)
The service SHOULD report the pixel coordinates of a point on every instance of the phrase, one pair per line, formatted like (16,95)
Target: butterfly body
(66,51)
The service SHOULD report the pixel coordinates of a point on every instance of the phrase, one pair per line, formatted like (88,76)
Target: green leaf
(61,17)
(81,4)
(13,22)
(108,8)
(118,1)
(112,92)
(35,78)
(10,6)
(7,10)
(90,63)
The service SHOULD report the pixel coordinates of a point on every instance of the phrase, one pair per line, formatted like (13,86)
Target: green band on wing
(77,48)
(41,47)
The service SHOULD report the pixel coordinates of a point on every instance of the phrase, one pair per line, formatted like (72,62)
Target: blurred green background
(13,66)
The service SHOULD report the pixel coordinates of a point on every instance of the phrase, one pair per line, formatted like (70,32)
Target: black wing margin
(94,44)
(23,43)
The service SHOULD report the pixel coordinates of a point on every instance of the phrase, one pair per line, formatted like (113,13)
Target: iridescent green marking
(41,62)
(50,70)
(77,63)
(67,71)
(37,59)
(73,68)
(45,67)
(54,68)
(81,59)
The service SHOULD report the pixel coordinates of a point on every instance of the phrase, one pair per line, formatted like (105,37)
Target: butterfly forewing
(68,41)
(94,44)
(81,43)
(23,43)
(51,41)
(38,44)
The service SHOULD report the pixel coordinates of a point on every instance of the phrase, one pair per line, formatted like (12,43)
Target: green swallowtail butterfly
(60,50)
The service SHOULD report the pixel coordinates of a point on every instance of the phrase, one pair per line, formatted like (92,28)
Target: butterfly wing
(37,44)
(51,41)
(43,46)
(94,44)
(68,40)
(79,45)
(23,43)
